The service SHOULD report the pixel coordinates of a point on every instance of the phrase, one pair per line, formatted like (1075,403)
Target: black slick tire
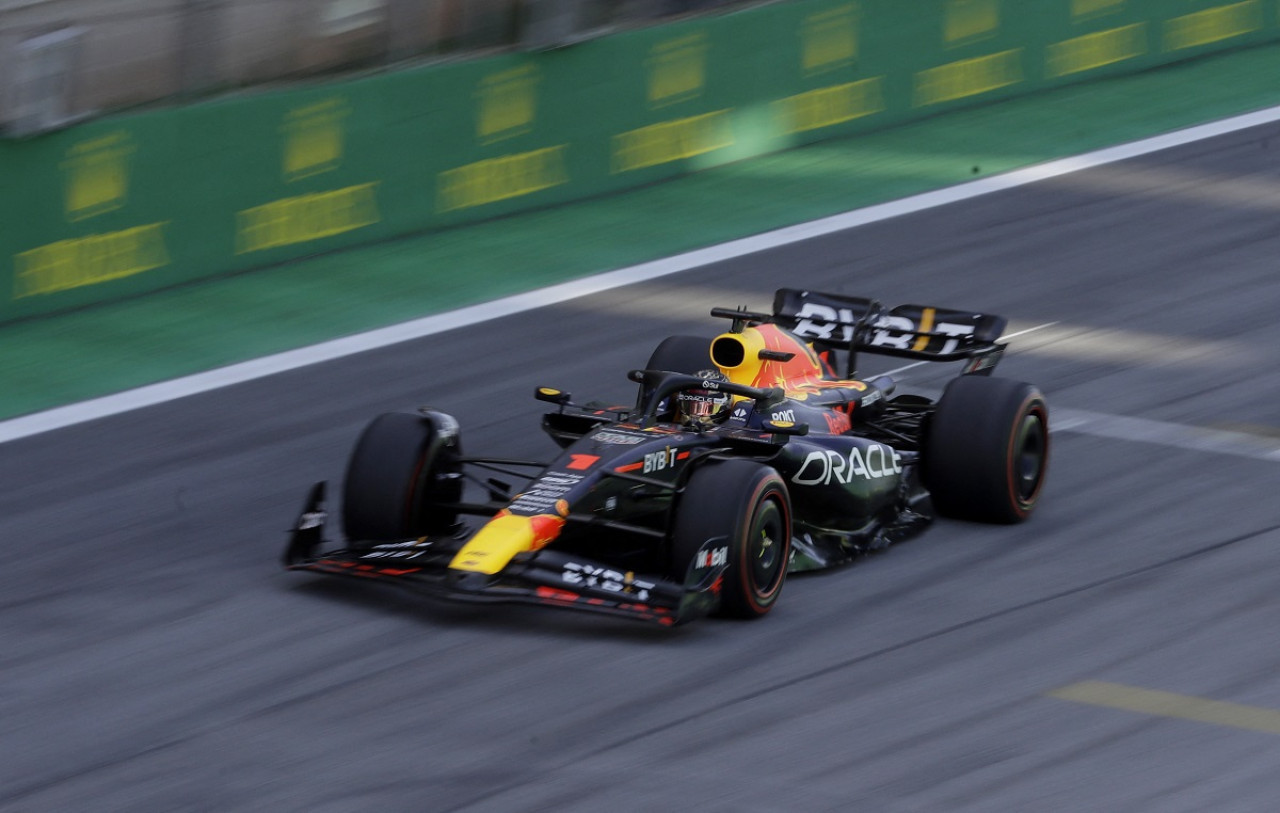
(987,449)
(746,505)
(390,481)
(681,354)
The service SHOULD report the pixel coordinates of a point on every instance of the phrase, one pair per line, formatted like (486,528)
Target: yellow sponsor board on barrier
(967,21)
(502,178)
(673,140)
(1212,25)
(967,77)
(314,139)
(1095,50)
(97,175)
(304,218)
(507,104)
(829,39)
(677,70)
(1087,9)
(90,260)
(829,106)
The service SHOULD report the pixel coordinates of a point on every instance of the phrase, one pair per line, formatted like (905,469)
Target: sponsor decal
(618,438)
(399,550)
(784,416)
(711,557)
(820,468)
(582,462)
(657,461)
(541,498)
(837,422)
(311,519)
(818,321)
(605,578)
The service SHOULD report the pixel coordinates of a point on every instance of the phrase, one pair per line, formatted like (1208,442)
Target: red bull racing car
(744,458)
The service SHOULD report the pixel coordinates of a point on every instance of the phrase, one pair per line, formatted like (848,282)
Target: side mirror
(785,428)
(552,396)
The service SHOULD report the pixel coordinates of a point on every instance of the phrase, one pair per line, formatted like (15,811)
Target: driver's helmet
(704,405)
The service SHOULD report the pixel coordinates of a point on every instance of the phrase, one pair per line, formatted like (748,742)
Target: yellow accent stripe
(491,549)
(1168,704)
(926,325)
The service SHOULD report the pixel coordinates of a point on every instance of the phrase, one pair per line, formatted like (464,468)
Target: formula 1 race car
(757,454)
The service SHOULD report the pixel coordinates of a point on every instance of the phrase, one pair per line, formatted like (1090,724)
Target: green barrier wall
(129,204)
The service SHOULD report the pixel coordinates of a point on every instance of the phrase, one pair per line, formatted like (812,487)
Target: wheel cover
(766,546)
(1029,457)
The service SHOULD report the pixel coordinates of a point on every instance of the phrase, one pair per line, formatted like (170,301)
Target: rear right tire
(987,449)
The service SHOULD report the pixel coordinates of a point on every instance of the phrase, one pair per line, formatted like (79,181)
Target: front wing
(548,577)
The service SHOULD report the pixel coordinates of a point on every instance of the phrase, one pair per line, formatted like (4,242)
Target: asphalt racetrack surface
(1117,652)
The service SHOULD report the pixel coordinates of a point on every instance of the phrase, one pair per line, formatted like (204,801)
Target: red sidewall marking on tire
(744,567)
(409,498)
(1013,471)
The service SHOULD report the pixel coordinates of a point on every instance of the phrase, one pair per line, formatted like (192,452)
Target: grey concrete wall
(139,51)
(136,52)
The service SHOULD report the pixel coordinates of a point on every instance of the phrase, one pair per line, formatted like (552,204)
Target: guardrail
(129,204)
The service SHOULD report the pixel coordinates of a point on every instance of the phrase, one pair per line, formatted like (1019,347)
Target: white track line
(165,391)
(1175,435)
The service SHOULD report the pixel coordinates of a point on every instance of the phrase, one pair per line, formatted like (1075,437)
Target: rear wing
(856,324)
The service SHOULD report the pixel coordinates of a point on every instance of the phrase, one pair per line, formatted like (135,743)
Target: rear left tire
(681,354)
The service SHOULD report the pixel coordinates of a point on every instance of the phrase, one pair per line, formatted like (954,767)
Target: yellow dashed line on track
(1168,704)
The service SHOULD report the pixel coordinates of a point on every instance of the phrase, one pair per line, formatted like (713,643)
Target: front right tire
(394,487)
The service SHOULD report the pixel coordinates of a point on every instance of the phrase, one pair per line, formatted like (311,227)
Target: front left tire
(741,508)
